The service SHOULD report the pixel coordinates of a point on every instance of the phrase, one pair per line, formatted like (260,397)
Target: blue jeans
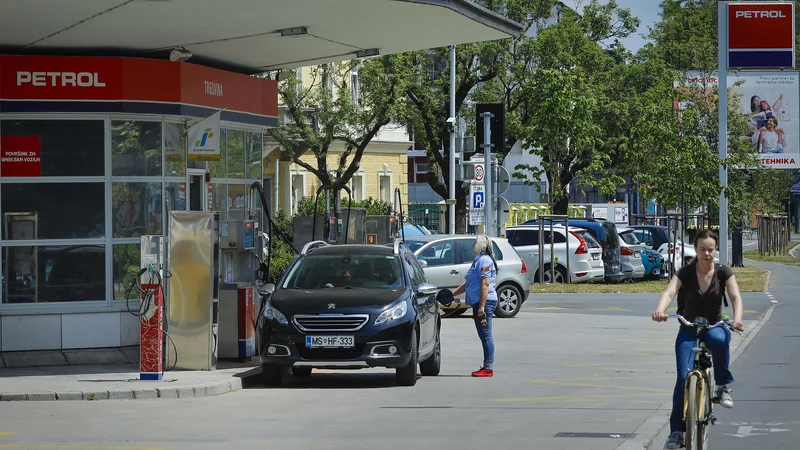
(718,341)
(485,331)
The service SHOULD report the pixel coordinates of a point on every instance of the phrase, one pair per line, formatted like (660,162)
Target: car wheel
(560,275)
(407,375)
(509,301)
(301,371)
(271,374)
(431,366)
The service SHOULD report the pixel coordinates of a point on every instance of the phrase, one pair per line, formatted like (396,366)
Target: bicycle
(700,393)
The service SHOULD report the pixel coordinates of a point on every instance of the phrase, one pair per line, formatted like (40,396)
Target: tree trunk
(461,213)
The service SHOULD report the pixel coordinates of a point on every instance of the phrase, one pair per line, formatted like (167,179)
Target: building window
(421,167)
(298,189)
(136,209)
(385,186)
(357,186)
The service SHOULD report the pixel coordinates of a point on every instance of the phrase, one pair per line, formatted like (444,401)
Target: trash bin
(737,258)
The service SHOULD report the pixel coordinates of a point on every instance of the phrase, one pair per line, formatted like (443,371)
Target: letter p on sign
(23,77)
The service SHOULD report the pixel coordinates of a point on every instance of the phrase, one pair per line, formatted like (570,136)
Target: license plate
(596,256)
(330,341)
(656,272)
(615,267)
(637,255)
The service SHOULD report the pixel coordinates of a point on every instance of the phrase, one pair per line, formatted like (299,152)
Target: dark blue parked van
(606,234)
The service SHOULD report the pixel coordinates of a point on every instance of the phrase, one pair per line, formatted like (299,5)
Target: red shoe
(483,373)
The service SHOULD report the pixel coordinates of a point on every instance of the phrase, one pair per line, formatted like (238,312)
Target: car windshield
(629,238)
(345,270)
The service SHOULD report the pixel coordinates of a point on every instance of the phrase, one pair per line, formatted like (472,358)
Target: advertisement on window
(172,143)
(20,156)
(203,140)
(771,100)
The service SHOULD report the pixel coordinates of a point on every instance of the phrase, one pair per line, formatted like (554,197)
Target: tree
(557,95)
(428,91)
(329,111)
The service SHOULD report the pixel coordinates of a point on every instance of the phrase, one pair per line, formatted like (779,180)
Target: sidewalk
(121,382)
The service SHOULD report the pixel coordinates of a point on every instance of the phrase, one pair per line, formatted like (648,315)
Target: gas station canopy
(245,36)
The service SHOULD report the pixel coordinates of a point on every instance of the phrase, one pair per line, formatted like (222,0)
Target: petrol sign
(761,35)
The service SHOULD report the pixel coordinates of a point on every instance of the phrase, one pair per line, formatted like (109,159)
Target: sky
(646,10)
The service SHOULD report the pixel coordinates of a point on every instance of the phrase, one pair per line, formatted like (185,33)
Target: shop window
(220,198)
(58,148)
(236,157)
(60,210)
(174,197)
(253,151)
(236,201)
(219,168)
(127,261)
(136,148)
(174,149)
(136,209)
(54,274)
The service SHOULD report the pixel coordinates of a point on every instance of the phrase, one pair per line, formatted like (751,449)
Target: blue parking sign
(477,200)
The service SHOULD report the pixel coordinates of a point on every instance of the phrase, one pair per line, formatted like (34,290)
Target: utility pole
(451,201)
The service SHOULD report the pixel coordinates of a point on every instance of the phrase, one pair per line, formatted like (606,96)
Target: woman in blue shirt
(479,286)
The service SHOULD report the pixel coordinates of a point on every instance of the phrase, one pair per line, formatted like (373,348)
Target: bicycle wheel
(703,412)
(694,384)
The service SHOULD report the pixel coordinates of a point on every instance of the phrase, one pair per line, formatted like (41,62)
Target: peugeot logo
(331,305)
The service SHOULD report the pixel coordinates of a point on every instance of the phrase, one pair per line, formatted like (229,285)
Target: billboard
(760,35)
(771,101)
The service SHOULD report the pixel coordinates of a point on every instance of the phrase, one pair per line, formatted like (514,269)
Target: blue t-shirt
(482,266)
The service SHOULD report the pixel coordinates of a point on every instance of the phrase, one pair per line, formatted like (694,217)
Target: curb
(208,389)
(648,431)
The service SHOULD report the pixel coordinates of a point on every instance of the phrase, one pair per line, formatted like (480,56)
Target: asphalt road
(767,374)
(567,365)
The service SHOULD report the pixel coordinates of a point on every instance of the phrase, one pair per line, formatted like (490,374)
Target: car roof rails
(308,248)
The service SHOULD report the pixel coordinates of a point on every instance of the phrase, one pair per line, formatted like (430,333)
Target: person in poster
(768,99)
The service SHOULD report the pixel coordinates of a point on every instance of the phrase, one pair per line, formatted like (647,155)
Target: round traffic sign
(479,172)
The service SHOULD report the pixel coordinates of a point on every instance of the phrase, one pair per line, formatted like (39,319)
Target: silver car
(630,261)
(448,257)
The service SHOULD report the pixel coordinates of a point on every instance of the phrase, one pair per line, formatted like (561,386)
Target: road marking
(612,308)
(604,386)
(747,431)
(771,297)
(6,433)
(573,397)
(552,308)
(82,447)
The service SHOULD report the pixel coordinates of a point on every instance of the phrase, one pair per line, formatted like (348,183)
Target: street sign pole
(722,83)
(451,204)
(487,161)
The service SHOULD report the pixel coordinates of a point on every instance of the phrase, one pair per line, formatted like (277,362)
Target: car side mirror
(426,289)
(266,289)
(422,263)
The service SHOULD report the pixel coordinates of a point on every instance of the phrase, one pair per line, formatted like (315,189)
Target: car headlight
(273,314)
(393,313)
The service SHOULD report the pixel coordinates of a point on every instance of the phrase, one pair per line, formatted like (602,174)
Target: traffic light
(497,125)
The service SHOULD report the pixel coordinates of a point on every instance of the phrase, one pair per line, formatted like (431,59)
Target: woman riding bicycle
(701,284)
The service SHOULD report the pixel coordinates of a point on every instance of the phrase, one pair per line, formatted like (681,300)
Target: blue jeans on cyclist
(718,341)
(485,332)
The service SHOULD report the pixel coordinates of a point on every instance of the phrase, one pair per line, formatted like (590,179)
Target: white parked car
(586,260)
(630,261)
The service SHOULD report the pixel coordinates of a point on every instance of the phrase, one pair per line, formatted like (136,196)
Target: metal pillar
(451,207)
(487,170)
(722,73)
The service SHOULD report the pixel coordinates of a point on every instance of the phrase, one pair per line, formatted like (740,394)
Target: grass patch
(782,259)
(750,279)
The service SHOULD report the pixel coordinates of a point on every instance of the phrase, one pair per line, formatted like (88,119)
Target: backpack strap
(722,280)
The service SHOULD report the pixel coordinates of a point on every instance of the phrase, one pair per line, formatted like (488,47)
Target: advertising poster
(771,101)
(621,214)
(600,212)
(20,156)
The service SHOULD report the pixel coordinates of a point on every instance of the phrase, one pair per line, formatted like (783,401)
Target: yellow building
(383,166)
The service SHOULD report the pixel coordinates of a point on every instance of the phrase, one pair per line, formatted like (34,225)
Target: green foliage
(771,187)
(373,207)
(305,207)
(282,253)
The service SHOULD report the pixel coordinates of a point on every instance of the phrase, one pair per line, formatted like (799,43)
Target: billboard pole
(722,88)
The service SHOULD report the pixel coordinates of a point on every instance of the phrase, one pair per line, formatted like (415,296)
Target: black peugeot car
(350,307)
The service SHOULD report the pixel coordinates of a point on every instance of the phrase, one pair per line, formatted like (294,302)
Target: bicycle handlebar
(721,323)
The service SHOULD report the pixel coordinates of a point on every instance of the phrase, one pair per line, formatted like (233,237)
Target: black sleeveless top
(702,304)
